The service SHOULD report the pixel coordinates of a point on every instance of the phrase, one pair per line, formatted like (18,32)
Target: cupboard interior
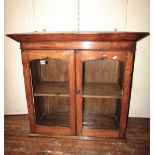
(102,89)
(101,86)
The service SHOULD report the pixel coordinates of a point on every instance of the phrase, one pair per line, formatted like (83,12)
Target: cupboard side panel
(126,92)
(28,89)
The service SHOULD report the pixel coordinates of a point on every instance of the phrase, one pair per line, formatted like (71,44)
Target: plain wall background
(61,15)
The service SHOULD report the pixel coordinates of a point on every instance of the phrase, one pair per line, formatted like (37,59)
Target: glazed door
(100,103)
(52,79)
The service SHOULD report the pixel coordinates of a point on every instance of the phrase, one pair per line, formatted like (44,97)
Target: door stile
(71,65)
(79,92)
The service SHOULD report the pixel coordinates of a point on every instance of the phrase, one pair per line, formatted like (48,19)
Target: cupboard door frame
(127,58)
(67,55)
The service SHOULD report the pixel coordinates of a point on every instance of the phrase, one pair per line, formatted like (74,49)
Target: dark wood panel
(54,70)
(100,105)
(102,70)
(48,104)
(39,107)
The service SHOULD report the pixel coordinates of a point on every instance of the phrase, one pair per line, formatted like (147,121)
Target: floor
(17,141)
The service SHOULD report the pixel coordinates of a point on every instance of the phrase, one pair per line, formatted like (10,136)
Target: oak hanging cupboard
(78,84)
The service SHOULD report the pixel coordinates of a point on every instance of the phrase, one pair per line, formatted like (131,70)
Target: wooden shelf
(51,89)
(91,90)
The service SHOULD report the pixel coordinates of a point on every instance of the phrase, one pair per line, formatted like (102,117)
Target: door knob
(77,91)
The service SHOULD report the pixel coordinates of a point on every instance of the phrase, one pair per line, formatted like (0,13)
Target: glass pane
(53,111)
(51,94)
(102,93)
(101,113)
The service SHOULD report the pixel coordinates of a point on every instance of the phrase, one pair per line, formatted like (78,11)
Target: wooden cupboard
(78,83)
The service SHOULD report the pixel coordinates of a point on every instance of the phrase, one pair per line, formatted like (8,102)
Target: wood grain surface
(17,141)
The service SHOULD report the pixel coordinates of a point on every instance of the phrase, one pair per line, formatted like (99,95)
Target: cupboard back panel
(52,111)
(45,104)
(55,70)
(108,118)
(56,104)
(99,105)
(103,70)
